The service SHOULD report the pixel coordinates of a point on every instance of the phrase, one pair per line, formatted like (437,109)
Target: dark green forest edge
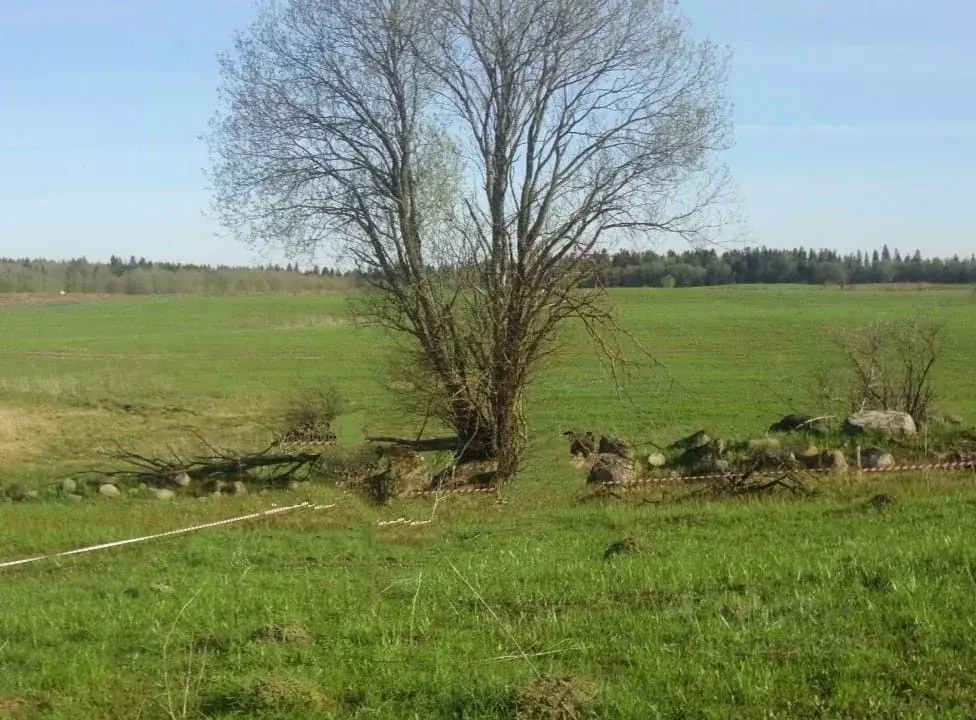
(691,268)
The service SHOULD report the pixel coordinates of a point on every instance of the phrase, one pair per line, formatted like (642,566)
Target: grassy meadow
(844,605)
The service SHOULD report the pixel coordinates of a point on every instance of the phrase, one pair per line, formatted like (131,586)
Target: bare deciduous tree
(472,156)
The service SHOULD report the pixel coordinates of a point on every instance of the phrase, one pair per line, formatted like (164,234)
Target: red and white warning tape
(171,533)
(455,491)
(679,479)
(920,467)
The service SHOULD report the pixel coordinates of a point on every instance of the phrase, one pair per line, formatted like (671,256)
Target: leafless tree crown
(472,156)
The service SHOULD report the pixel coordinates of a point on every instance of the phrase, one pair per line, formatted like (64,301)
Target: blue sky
(855,123)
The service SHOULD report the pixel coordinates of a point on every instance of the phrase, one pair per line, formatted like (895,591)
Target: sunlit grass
(830,607)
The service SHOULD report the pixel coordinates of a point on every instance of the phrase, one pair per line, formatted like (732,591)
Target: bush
(890,365)
(309,416)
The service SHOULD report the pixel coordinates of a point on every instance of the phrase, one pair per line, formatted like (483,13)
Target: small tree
(472,157)
(890,365)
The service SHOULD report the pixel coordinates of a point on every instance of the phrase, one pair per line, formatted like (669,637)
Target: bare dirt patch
(54,298)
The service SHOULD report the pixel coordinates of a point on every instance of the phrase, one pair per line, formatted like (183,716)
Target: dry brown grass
(31,434)
(54,298)
(554,699)
(24,433)
(14,708)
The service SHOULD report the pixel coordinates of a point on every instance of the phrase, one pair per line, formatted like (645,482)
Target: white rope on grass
(171,533)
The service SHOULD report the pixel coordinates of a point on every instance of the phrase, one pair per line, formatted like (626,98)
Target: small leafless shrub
(309,416)
(888,365)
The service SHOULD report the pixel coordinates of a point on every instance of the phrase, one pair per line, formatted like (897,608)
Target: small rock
(182,480)
(655,460)
(610,470)
(238,488)
(406,471)
(615,446)
(581,443)
(763,444)
(890,422)
(719,465)
(68,486)
(833,460)
(881,501)
(627,546)
(705,459)
(800,423)
(692,442)
(805,451)
(161,589)
(287,634)
(18,492)
(109,490)
(807,455)
(163,494)
(873,458)
(71,497)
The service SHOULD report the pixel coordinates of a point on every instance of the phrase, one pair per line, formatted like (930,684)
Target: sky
(855,124)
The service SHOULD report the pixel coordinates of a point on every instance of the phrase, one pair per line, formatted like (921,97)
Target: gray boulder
(582,443)
(800,423)
(69,486)
(875,458)
(615,446)
(109,490)
(705,459)
(889,422)
(695,440)
(655,460)
(763,444)
(834,461)
(19,492)
(182,480)
(610,470)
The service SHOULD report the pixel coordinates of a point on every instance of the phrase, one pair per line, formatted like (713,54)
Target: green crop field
(857,603)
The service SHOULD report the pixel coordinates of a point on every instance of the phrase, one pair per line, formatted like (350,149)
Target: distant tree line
(145,277)
(622,269)
(771,266)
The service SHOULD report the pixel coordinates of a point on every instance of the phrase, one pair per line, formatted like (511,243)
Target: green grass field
(826,607)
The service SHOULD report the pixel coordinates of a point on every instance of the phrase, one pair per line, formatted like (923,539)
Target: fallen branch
(442,444)
(751,483)
(272,468)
